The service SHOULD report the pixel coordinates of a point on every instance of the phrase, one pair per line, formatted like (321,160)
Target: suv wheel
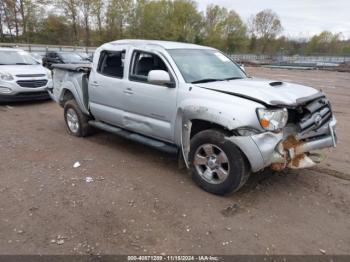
(76,120)
(217,165)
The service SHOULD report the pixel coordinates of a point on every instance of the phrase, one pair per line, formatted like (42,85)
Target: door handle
(128,91)
(95,84)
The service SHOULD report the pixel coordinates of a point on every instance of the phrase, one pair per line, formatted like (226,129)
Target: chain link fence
(252,59)
(312,60)
(42,49)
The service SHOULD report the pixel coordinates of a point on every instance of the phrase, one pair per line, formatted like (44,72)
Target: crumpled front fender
(211,115)
(259,149)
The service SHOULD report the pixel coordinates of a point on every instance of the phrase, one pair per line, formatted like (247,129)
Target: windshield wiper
(205,80)
(23,64)
(232,78)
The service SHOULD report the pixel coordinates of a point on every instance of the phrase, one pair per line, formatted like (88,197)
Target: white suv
(22,78)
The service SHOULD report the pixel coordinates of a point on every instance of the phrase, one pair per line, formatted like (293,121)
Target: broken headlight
(272,119)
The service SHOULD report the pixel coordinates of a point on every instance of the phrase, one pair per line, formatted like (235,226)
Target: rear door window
(111,63)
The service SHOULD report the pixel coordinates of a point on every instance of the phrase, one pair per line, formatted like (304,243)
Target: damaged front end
(295,154)
(310,127)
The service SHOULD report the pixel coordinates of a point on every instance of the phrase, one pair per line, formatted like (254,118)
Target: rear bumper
(25,96)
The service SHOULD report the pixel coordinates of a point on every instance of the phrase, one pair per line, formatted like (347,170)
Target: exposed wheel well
(201,125)
(67,95)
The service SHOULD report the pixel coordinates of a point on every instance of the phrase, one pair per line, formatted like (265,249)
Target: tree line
(93,22)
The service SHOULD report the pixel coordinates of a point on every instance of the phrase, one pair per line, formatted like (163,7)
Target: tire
(77,122)
(218,166)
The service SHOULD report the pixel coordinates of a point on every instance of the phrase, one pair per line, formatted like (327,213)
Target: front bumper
(26,96)
(18,93)
(278,152)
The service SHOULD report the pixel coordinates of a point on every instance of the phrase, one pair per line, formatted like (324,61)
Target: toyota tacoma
(195,101)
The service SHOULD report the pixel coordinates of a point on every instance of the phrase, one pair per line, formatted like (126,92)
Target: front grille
(32,83)
(315,114)
(30,75)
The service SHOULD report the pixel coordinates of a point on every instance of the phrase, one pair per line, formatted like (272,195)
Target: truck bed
(74,67)
(75,78)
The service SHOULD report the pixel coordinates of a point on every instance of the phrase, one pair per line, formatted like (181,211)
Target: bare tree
(118,13)
(265,25)
(10,16)
(1,23)
(71,9)
(97,12)
(24,19)
(85,6)
(6,18)
(15,10)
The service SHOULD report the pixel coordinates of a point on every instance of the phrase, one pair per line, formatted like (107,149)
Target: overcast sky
(300,18)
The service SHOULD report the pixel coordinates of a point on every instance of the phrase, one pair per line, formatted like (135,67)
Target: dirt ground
(140,203)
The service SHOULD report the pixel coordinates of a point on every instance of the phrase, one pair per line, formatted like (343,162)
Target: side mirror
(160,77)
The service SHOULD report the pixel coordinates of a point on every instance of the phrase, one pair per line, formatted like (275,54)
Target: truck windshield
(16,58)
(205,65)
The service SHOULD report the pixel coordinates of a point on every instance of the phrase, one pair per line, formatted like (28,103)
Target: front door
(149,109)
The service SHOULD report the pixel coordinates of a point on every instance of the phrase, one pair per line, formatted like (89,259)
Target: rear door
(149,108)
(106,85)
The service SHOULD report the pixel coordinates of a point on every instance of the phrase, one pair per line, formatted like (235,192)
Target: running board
(136,137)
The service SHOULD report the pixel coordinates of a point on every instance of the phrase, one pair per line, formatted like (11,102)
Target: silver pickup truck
(193,100)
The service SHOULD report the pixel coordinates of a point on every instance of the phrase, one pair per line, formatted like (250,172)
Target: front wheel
(217,165)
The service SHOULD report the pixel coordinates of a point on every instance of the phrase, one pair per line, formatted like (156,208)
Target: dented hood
(266,91)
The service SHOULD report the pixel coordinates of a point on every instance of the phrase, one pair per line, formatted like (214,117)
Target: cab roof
(158,43)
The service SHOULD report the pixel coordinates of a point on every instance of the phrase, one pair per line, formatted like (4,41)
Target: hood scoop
(276,83)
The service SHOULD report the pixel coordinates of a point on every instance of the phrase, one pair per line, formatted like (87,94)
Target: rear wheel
(76,120)
(217,165)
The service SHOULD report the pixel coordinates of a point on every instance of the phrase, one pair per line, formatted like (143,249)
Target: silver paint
(167,114)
